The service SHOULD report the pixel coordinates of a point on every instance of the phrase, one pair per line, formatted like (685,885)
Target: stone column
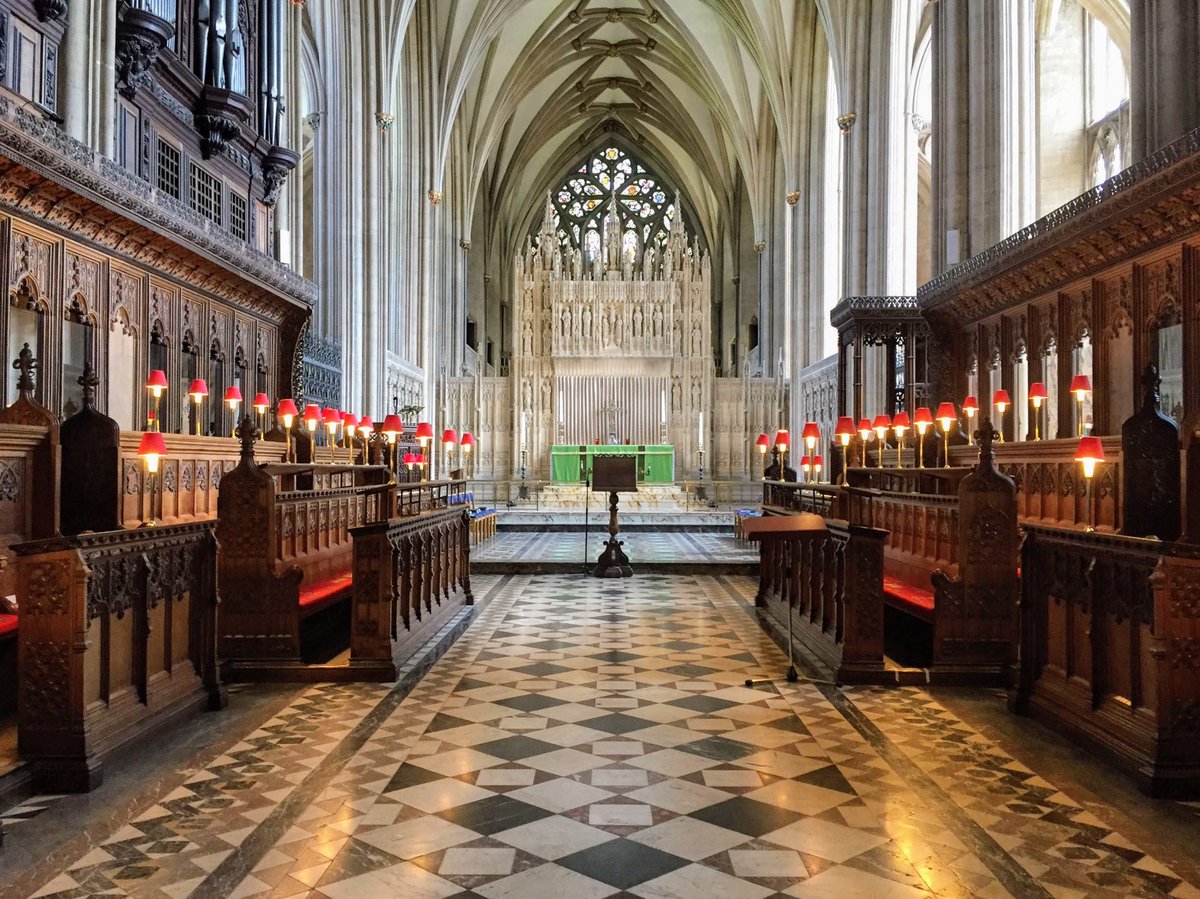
(1164,103)
(983,161)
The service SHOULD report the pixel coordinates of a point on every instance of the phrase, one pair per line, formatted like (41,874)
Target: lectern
(613,474)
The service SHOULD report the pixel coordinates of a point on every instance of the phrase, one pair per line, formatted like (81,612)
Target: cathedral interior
(528,449)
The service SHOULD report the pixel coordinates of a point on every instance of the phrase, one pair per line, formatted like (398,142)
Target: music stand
(612,474)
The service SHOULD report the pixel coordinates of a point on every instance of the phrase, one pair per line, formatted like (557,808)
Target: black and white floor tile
(588,738)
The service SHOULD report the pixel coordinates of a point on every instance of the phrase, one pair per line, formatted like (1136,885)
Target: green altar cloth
(572,463)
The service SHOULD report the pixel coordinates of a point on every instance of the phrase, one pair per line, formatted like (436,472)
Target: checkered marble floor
(648,547)
(588,739)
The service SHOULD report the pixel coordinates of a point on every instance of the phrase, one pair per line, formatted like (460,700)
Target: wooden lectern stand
(774,532)
(612,474)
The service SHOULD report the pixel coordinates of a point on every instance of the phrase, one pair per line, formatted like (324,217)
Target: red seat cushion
(8,626)
(909,598)
(319,592)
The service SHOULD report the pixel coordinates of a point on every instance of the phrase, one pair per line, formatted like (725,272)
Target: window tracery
(647,206)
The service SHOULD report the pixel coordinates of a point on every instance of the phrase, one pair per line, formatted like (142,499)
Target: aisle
(594,739)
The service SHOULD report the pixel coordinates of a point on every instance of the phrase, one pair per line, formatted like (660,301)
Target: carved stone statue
(696,339)
(587,323)
(638,319)
(577,265)
(526,395)
(676,396)
(648,264)
(668,266)
(658,320)
(527,338)
(557,265)
(566,322)
(612,235)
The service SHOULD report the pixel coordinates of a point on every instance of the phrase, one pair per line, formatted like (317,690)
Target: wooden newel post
(611,474)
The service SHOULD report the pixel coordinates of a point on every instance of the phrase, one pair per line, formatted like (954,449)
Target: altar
(572,463)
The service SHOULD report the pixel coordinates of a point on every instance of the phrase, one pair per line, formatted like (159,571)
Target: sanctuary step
(648,498)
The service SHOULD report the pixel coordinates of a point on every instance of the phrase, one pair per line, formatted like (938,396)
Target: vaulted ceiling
(708,91)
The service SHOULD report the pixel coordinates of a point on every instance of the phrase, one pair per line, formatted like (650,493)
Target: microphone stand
(587,500)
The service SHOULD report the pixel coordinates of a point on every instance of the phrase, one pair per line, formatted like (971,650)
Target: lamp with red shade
(1089,455)
(970,407)
(1081,388)
(233,399)
(156,383)
(1037,396)
(811,435)
(783,441)
(805,467)
(881,426)
(844,432)
(449,441)
(197,391)
(922,421)
(900,424)
(864,433)
(333,420)
(312,419)
(1001,401)
(287,413)
(261,404)
(349,426)
(946,416)
(818,465)
(366,432)
(151,448)
(762,444)
(467,442)
(392,429)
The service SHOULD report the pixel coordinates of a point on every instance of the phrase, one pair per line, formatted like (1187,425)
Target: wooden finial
(248,433)
(1151,383)
(986,437)
(26,365)
(89,381)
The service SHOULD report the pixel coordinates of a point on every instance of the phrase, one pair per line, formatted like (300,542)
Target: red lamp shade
(261,402)
(1037,391)
(970,406)
(287,407)
(332,417)
(421,460)
(152,443)
(467,442)
(449,436)
(365,425)
(783,439)
(882,423)
(1081,384)
(923,416)
(864,428)
(762,443)
(424,431)
(946,414)
(152,448)
(350,422)
(1089,454)
(410,459)
(1000,398)
(845,429)
(157,380)
(901,423)
(198,389)
(392,427)
(812,431)
(817,463)
(805,463)
(312,413)
(233,394)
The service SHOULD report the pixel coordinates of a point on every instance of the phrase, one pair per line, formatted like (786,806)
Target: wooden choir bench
(286,555)
(955,578)
(483,525)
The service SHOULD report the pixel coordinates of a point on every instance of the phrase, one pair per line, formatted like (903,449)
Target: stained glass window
(647,206)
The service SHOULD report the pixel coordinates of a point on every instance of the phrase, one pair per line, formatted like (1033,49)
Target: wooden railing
(410,575)
(834,589)
(117,636)
(1110,650)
